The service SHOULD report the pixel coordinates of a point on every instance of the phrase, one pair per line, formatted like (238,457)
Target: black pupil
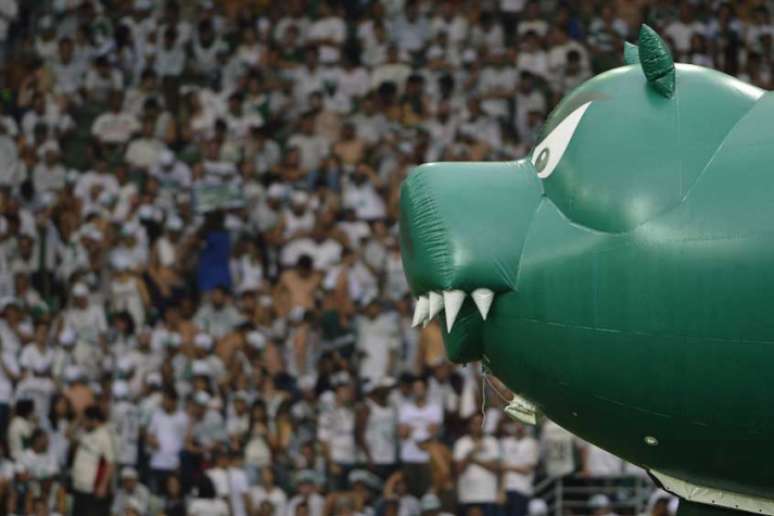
(542,160)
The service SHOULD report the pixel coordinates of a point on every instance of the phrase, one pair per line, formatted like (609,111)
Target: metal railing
(570,495)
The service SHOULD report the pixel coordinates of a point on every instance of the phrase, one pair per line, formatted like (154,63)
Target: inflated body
(630,259)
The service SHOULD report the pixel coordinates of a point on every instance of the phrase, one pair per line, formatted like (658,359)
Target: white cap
(430,502)
(203,341)
(121,261)
(80,290)
(537,507)
(202,398)
(8,301)
(46,199)
(167,157)
(174,223)
(256,339)
(48,146)
(92,234)
(120,390)
(307,382)
(130,229)
(154,379)
(299,197)
(296,314)
(73,373)
(124,364)
(129,472)
(598,501)
(276,191)
(341,378)
(146,212)
(387,382)
(173,340)
(200,368)
(469,56)
(26,327)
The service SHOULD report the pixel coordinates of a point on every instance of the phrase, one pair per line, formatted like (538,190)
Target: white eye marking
(549,152)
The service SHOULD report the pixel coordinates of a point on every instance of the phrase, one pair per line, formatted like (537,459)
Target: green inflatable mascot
(620,279)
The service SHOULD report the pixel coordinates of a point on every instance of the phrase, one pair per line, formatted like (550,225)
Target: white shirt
(477,484)
(519,452)
(601,463)
(208,507)
(558,450)
(9,10)
(324,254)
(276,496)
(364,200)
(313,149)
(380,433)
(377,339)
(419,419)
(681,33)
(231,483)
(94,448)
(170,431)
(144,152)
(88,323)
(337,429)
(33,358)
(40,465)
(125,417)
(114,127)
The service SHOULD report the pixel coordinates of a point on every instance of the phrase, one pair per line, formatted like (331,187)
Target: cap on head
(129,473)
(599,501)
(430,502)
(203,341)
(80,290)
(202,399)
(256,340)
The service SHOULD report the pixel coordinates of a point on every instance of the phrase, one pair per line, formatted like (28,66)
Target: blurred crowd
(202,303)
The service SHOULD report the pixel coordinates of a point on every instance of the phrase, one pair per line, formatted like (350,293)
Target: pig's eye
(548,153)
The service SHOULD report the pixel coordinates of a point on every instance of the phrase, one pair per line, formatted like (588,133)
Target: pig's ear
(656,61)
(631,54)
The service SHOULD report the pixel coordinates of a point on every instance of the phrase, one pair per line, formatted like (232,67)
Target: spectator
(130,493)
(337,431)
(377,428)
(419,422)
(206,502)
(600,506)
(94,464)
(520,454)
(558,447)
(199,232)
(268,492)
(477,464)
(21,428)
(165,438)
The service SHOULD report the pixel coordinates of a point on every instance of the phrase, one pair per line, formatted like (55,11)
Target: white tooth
(436,304)
(452,301)
(483,298)
(420,311)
